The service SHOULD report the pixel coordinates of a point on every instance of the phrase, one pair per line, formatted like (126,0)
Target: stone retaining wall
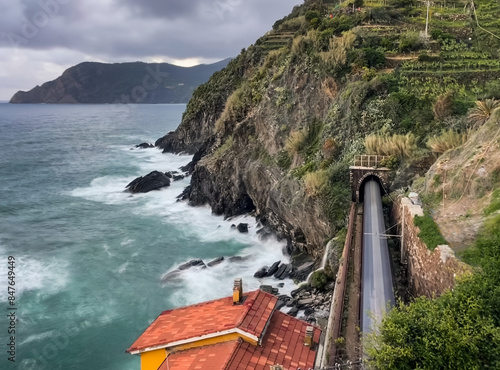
(429,273)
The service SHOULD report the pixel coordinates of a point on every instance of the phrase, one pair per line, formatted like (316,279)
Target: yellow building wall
(153,359)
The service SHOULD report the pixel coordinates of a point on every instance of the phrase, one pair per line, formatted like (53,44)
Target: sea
(81,260)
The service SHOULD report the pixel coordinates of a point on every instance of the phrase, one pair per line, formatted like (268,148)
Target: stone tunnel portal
(364,170)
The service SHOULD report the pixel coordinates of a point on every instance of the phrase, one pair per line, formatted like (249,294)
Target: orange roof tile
(283,344)
(208,318)
(215,356)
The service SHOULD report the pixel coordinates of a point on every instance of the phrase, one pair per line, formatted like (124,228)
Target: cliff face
(239,130)
(99,83)
(276,131)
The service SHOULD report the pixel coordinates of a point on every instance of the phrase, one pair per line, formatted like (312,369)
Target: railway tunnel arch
(360,176)
(365,179)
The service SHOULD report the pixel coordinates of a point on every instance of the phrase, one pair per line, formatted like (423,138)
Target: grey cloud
(115,29)
(168,9)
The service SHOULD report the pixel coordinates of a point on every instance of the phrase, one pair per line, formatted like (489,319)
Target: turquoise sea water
(89,257)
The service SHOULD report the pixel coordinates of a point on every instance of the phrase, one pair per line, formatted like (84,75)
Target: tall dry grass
(295,142)
(400,146)
(338,47)
(448,139)
(316,182)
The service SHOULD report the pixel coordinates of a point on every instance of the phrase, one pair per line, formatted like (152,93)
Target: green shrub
(391,162)
(409,41)
(429,231)
(402,3)
(494,204)
(373,58)
(319,280)
(312,14)
(301,171)
(424,57)
(458,330)
(283,160)
(438,34)
(387,43)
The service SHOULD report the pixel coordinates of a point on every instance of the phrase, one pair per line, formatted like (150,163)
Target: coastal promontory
(121,83)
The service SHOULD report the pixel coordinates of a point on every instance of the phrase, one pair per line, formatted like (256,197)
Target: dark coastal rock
(285,273)
(171,275)
(171,174)
(242,228)
(215,261)
(238,258)
(281,270)
(192,263)
(185,266)
(261,272)
(152,181)
(185,193)
(266,288)
(299,290)
(293,311)
(144,146)
(178,177)
(272,270)
(280,304)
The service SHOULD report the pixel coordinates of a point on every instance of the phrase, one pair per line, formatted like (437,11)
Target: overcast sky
(39,39)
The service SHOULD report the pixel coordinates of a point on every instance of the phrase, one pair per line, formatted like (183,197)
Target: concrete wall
(429,273)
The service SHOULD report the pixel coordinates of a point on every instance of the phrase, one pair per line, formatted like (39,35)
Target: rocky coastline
(307,302)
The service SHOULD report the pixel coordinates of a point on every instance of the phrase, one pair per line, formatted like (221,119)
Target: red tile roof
(207,357)
(283,344)
(208,318)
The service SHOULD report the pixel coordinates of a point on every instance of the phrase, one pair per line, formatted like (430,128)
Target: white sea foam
(196,284)
(106,249)
(122,268)
(46,275)
(197,223)
(37,337)
(111,189)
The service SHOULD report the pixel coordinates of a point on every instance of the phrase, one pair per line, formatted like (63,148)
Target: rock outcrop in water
(153,181)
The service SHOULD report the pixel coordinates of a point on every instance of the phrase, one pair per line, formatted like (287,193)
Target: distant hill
(137,82)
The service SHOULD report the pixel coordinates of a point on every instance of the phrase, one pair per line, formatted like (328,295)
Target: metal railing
(371,161)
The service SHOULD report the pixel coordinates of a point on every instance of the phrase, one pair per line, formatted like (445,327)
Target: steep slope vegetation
(276,130)
(461,328)
(100,83)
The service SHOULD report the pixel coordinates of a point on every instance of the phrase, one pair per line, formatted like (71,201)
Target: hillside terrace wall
(430,273)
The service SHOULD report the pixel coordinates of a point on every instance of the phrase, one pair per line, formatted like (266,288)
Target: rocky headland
(121,83)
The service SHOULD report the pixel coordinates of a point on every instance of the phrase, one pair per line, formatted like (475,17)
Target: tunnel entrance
(367,178)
